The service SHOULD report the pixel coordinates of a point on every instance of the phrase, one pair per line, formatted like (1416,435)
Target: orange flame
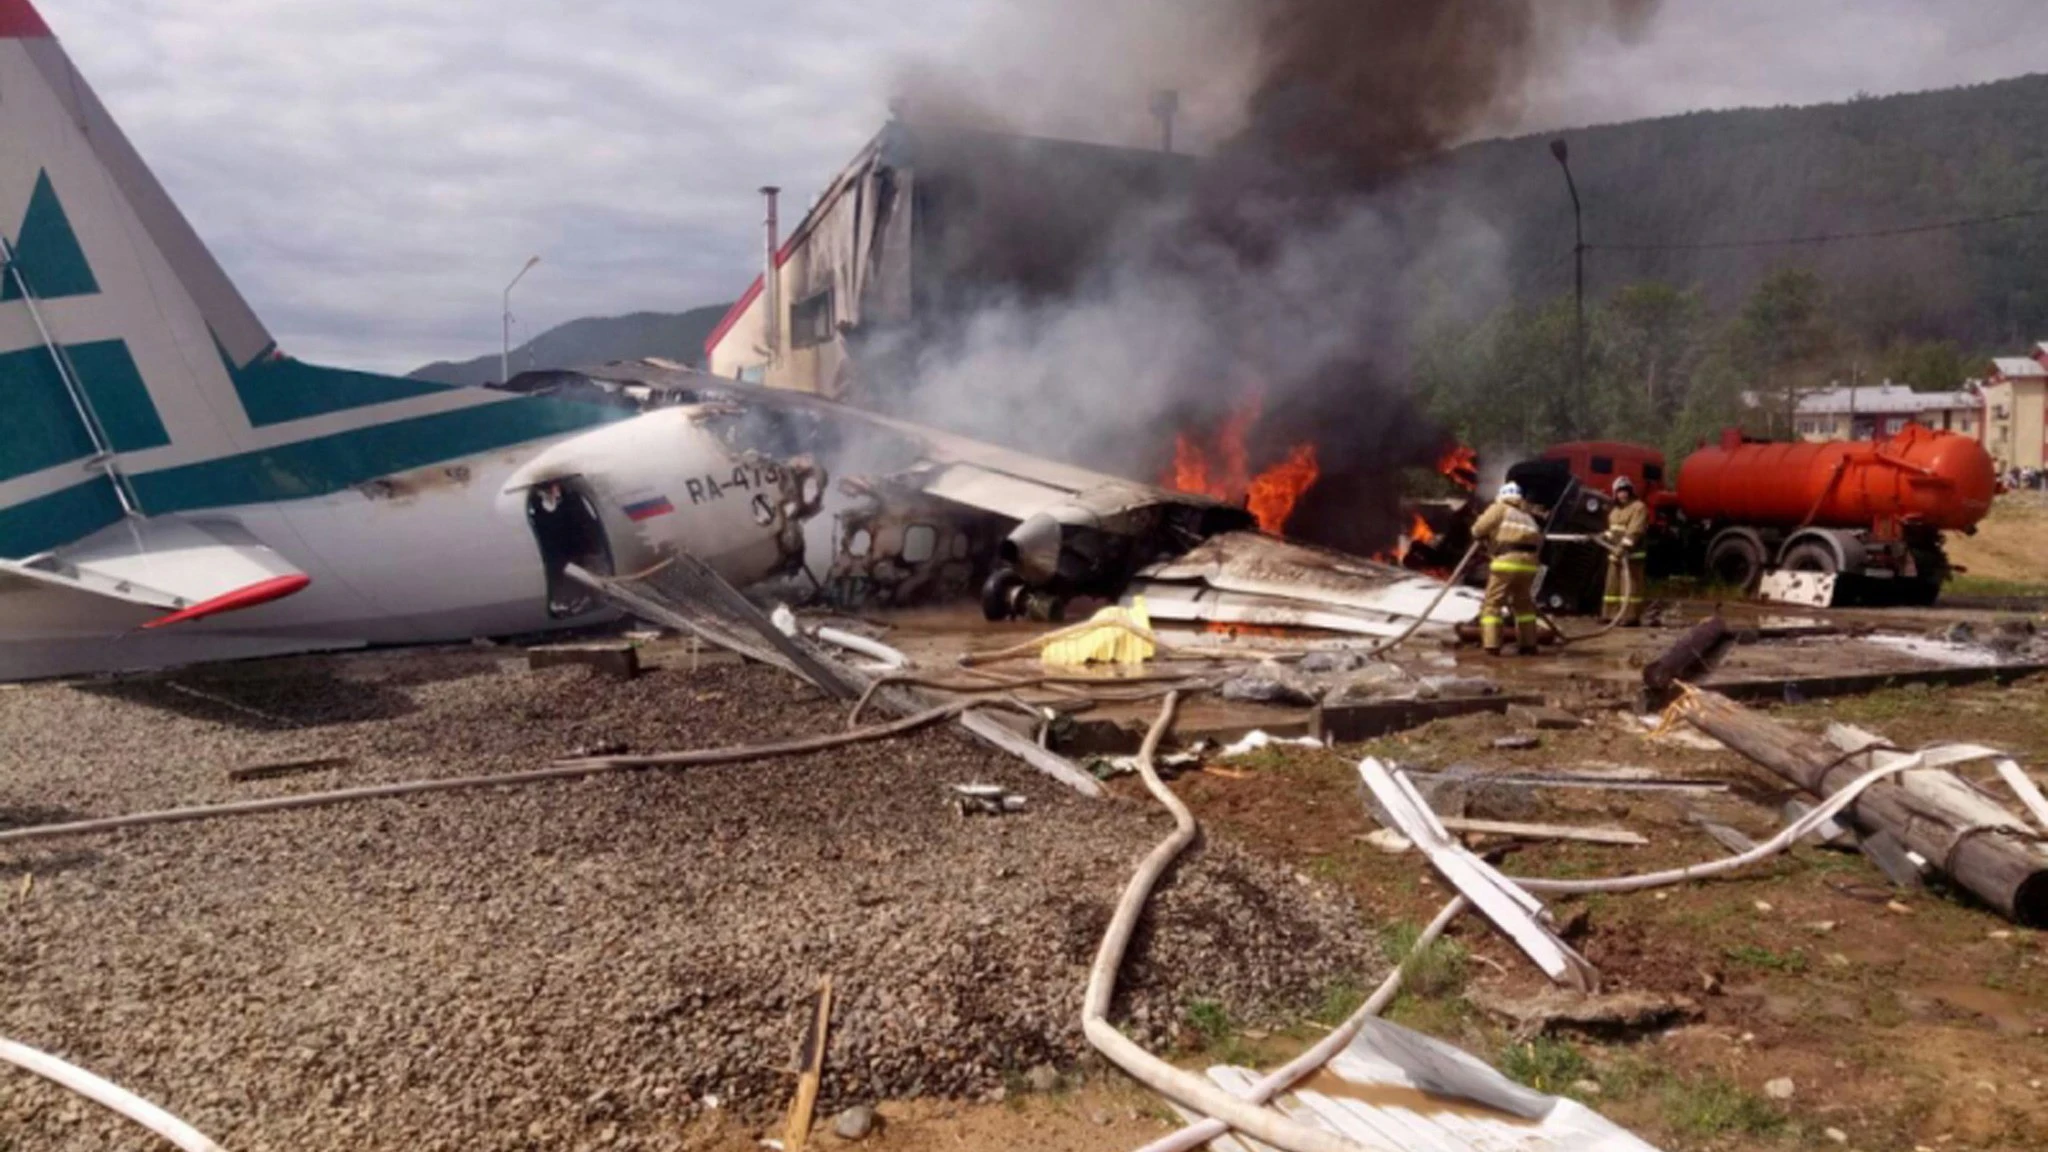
(1420,532)
(1276,491)
(1222,470)
(1461,465)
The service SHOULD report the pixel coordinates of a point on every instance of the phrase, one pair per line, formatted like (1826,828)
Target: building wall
(2016,422)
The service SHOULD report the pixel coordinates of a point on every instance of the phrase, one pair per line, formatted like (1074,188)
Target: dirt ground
(1903,1020)
(2010,546)
(557,972)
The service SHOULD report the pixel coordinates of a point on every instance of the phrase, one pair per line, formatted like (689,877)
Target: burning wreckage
(919,517)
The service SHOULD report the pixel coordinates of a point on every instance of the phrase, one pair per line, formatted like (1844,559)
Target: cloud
(371,172)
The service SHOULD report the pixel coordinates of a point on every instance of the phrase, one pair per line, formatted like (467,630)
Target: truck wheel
(1736,562)
(1810,556)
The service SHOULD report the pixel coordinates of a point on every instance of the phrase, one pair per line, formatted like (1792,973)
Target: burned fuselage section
(735,474)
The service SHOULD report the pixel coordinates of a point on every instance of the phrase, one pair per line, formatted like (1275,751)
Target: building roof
(1885,399)
(2019,368)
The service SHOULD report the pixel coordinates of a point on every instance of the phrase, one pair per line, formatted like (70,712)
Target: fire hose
(106,1094)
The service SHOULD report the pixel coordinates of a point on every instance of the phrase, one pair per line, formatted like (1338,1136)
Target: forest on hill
(1921,229)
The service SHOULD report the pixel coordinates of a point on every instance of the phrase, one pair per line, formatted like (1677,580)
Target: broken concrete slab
(1610,1015)
(613,658)
(1351,723)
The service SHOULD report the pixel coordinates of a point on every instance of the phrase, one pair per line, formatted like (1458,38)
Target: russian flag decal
(649,509)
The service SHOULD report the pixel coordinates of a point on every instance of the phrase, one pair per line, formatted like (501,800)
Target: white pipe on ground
(1185,1087)
(107,1095)
(1323,1051)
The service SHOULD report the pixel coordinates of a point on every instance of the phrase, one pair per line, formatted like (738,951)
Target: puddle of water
(1409,1099)
(2012,1013)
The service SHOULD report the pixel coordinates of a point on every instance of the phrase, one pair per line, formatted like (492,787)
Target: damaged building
(926,225)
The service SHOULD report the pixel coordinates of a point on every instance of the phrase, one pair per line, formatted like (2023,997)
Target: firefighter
(1627,578)
(1513,539)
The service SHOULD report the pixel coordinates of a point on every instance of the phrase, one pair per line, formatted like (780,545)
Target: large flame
(1276,491)
(1461,465)
(1221,470)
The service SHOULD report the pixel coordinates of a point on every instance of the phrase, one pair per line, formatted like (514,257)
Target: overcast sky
(371,172)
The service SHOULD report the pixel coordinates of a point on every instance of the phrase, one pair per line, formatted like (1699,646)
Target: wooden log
(1689,658)
(1620,836)
(2003,864)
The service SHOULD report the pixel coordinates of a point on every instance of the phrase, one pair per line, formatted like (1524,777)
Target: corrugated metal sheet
(1402,1091)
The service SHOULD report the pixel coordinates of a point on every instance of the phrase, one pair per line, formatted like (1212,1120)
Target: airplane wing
(191,569)
(1006,482)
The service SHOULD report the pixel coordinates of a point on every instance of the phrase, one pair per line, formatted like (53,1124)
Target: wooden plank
(812,1065)
(1792,689)
(1620,836)
(279,768)
(2024,787)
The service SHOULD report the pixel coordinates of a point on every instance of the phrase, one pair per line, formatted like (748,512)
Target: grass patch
(1627,1078)
(1759,957)
(1328,867)
(1340,1000)
(1985,586)
(1437,970)
(1217,1033)
(1711,1106)
(1545,1064)
(1883,1010)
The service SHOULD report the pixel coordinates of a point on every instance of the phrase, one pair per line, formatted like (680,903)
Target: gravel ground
(577,964)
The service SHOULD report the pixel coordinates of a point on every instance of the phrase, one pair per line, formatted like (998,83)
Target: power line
(1825,238)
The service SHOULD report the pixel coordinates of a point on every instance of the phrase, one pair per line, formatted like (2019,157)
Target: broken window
(920,543)
(859,543)
(810,320)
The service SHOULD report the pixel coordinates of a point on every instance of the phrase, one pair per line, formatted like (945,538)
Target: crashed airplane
(175,489)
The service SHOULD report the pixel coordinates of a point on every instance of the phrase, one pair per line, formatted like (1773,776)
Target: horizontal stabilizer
(188,568)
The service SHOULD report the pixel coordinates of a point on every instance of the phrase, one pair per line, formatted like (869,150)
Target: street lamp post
(505,350)
(1562,151)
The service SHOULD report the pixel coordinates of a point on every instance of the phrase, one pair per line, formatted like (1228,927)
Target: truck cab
(1596,464)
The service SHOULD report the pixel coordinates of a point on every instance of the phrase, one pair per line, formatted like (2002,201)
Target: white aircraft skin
(166,463)
(443,553)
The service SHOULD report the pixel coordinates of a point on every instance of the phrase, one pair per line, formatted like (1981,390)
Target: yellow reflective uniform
(1627,578)
(1514,540)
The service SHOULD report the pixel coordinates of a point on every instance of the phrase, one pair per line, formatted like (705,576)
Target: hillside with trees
(584,343)
(1687,310)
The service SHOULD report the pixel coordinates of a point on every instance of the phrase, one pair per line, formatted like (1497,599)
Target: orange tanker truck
(1871,513)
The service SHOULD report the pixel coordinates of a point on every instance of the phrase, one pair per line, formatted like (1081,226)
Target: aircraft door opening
(569,531)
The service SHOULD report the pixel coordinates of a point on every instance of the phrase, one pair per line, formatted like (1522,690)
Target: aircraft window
(920,543)
(1653,473)
(1603,465)
(859,543)
(810,320)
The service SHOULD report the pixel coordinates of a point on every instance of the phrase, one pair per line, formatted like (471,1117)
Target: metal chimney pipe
(1165,106)
(771,286)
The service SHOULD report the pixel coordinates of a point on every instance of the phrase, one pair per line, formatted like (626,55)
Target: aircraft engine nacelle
(626,497)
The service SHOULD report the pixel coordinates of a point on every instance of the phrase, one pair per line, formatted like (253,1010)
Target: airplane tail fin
(112,311)
(135,381)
